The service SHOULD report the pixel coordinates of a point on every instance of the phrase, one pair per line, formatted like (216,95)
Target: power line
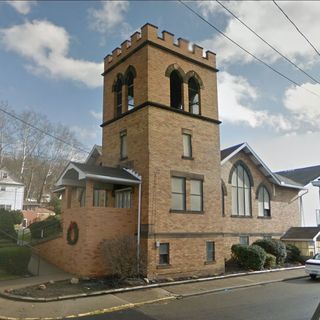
(246,51)
(43,131)
(291,21)
(268,44)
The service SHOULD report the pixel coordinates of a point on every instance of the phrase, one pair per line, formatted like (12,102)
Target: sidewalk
(10,309)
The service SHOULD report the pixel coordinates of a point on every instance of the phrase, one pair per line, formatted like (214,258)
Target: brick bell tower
(160,118)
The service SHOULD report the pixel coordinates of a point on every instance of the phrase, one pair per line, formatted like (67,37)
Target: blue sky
(51,55)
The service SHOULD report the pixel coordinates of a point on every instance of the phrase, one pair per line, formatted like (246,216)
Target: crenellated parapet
(149,34)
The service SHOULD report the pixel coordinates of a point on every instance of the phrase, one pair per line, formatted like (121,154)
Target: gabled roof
(302,176)
(9,180)
(102,173)
(302,233)
(230,152)
(94,154)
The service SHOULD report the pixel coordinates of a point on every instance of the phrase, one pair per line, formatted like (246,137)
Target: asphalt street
(294,300)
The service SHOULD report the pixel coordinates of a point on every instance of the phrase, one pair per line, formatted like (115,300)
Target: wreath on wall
(73,233)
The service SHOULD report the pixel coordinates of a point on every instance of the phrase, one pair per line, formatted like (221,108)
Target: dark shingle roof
(226,152)
(302,176)
(105,171)
(301,233)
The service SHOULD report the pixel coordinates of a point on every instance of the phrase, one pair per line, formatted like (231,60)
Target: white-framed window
(196,192)
(210,248)
(123,198)
(5,206)
(241,192)
(264,209)
(100,197)
(187,145)
(2,188)
(178,193)
(4,175)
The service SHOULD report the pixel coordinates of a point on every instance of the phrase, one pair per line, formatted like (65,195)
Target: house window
(123,145)
(4,175)
(118,97)
(3,188)
(210,251)
(130,97)
(123,198)
(194,96)
(196,195)
(178,190)
(5,206)
(244,240)
(175,90)
(164,253)
(187,145)
(264,202)
(100,198)
(82,196)
(241,192)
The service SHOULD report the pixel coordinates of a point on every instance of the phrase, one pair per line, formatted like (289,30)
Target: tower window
(123,145)
(178,193)
(130,91)
(118,97)
(175,90)
(187,145)
(194,96)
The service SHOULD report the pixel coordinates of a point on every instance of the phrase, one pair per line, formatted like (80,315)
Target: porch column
(89,194)
(185,97)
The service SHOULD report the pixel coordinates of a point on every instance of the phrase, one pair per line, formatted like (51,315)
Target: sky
(51,55)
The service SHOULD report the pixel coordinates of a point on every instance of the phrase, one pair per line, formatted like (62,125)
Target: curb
(186,295)
(97,312)
(150,286)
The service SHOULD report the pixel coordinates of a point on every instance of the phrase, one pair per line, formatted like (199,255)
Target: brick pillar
(124,98)
(185,93)
(89,194)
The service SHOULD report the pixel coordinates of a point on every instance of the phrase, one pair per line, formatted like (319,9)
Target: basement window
(164,253)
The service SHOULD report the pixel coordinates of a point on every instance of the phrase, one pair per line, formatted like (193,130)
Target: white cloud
(22,6)
(236,104)
(96,115)
(89,135)
(303,105)
(109,17)
(46,46)
(267,21)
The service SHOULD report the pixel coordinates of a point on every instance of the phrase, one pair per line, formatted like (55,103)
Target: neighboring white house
(309,177)
(11,192)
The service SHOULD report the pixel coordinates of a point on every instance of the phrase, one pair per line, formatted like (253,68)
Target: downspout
(139,230)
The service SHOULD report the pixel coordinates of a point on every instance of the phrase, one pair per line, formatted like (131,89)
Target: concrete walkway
(10,309)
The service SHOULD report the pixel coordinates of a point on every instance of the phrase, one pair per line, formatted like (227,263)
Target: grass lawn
(6,276)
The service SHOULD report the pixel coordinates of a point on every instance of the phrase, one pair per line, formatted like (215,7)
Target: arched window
(223,198)
(241,192)
(118,97)
(264,202)
(194,96)
(175,90)
(130,96)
